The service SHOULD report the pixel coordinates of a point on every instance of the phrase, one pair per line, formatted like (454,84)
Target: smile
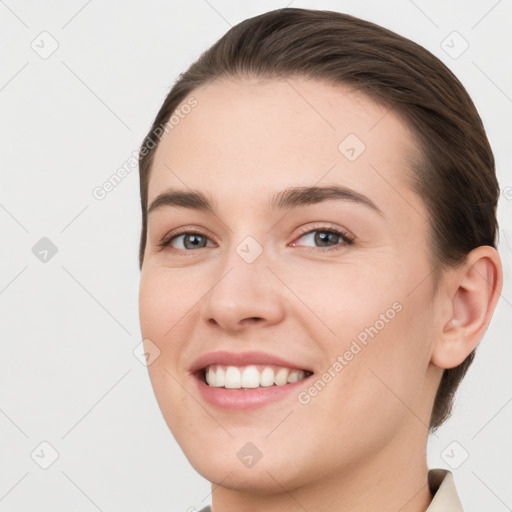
(251,376)
(238,381)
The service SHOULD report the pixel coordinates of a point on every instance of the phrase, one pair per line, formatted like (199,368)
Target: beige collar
(442,487)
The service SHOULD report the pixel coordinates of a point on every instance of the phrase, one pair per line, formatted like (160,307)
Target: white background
(68,375)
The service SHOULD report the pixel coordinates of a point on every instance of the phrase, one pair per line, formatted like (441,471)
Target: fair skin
(360,444)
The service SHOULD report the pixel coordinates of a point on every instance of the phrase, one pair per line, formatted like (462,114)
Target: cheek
(375,386)
(164,299)
(380,332)
(153,302)
(162,315)
(350,297)
(161,312)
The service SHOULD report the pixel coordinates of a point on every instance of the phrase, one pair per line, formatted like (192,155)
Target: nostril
(254,319)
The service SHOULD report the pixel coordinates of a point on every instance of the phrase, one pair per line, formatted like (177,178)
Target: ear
(469,299)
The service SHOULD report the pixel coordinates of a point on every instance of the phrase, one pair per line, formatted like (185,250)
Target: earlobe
(473,295)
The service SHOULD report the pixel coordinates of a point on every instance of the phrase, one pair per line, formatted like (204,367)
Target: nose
(244,295)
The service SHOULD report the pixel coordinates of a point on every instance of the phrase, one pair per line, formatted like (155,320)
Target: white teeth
(233,378)
(211,376)
(293,377)
(281,377)
(267,377)
(218,378)
(249,377)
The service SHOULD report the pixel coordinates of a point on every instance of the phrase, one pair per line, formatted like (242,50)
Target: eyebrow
(291,197)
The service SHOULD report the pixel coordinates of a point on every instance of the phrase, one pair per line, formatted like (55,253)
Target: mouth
(239,381)
(250,376)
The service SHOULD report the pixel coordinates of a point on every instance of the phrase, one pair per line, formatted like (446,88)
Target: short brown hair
(454,173)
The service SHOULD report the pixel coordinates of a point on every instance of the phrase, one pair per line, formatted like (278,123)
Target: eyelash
(345,237)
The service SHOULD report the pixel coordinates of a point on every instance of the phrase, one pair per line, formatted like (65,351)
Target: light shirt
(442,487)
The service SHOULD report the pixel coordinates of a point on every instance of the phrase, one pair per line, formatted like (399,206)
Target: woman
(318,263)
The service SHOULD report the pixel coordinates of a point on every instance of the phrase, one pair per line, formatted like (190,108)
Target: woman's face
(265,271)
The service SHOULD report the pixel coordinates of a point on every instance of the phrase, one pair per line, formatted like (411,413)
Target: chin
(228,464)
(260,479)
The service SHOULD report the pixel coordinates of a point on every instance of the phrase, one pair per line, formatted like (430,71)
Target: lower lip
(243,399)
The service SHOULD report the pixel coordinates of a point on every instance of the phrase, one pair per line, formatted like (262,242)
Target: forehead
(260,136)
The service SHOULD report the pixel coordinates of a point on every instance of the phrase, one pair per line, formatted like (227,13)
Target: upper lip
(243,359)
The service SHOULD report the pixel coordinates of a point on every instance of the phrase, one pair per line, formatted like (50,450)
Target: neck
(394,479)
